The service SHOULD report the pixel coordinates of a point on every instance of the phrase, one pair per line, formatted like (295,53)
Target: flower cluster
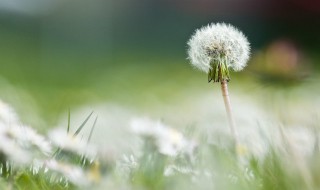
(22,147)
(19,143)
(216,48)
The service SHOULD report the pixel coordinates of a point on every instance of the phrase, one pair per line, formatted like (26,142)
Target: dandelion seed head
(215,42)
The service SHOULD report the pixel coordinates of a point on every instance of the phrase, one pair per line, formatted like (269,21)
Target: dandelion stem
(226,99)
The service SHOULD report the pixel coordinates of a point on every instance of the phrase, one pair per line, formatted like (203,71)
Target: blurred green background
(60,54)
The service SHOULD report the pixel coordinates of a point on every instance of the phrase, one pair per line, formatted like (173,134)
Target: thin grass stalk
(299,161)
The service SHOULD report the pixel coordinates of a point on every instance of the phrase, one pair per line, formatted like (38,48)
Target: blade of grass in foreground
(82,125)
(83,159)
(92,129)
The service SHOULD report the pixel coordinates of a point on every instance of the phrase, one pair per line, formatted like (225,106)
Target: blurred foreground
(101,95)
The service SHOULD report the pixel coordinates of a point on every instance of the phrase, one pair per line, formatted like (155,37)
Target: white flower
(130,161)
(169,141)
(72,173)
(110,135)
(7,114)
(126,165)
(11,149)
(20,136)
(28,137)
(65,141)
(19,143)
(218,44)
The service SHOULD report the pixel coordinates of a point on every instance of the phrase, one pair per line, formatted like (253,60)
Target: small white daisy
(125,165)
(168,141)
(11,149)
(72,173)
(218,47)
(27,137)
(19,143)
(68,142)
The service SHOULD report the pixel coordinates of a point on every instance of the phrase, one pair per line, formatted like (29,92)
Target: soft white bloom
(72,173)
(28,137)
(65,141)
(110,136)
(19,143)
(218,44)
(7,114)
(130,161)
(11,149)
(126,165)
(169,141)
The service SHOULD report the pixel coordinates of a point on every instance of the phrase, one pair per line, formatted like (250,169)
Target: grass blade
(92,128)
(82,125)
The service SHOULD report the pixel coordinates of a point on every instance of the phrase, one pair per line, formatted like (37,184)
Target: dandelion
(215,49)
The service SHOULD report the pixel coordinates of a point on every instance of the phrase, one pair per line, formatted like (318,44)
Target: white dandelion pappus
(217,43)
